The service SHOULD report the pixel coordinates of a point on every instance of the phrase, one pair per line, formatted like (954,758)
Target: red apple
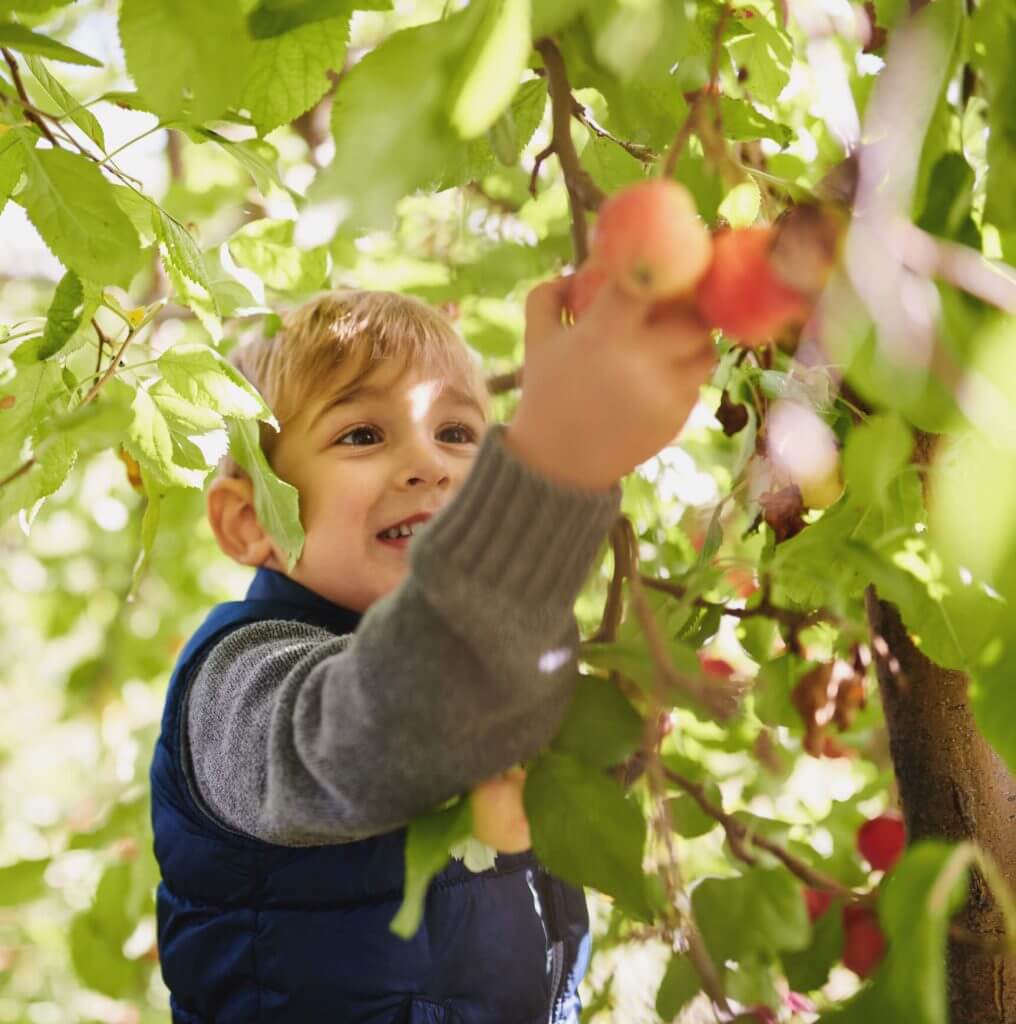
(650,239)
(882,840)
(741,293)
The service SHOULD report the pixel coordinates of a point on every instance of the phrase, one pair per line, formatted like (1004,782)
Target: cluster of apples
(651,241)
(881,842)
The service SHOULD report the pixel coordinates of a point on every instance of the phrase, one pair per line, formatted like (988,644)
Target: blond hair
(336,340)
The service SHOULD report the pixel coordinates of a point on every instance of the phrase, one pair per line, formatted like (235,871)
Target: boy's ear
(229,502)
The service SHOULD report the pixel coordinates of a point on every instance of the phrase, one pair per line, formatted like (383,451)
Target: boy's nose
(425,464)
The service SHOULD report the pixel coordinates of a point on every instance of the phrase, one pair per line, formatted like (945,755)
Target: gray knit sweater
(300,737)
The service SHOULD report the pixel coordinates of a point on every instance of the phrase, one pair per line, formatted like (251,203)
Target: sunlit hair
(337,340)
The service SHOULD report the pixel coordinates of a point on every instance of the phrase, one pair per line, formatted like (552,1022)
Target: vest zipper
(557,952)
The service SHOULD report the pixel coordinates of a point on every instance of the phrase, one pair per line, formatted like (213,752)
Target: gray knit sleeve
(299,737)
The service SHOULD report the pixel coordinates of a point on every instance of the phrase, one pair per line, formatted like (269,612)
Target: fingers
(544,306)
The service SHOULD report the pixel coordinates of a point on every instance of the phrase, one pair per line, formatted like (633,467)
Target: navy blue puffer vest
(252,932)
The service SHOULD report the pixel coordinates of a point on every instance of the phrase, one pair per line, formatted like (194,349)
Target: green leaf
(551,15)
(428,840)
(922,613)
(808,969)
(149,441)
(919,896)
(266,247)
(601,727)
(28,395)
(204,378)
(97,936)
(64,315)
(149,530)
(54,459)
(586,831)
(288,74)
(491,66)
(741,122)
(274,17)
(276,503)
(32,6)
(22,40)
(180,248)
(688,819)
(74,210)
(184,417)
(766,53)
(22,882)
(260,159)
(876,452)
(66,103)
(101,424)
(759,912)
(391,112)
(210,50)
(679,986)
(12,160)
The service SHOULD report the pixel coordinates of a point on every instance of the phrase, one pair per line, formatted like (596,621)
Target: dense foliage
(175,158)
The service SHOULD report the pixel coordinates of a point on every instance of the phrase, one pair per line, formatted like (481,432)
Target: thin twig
(644,154)
(734,828)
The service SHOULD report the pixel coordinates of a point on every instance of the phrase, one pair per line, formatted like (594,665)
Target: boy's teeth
(398,531)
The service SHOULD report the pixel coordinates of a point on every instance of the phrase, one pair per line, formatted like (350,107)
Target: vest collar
(301,602)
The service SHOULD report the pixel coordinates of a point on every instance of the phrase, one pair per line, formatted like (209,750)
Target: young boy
(308,723)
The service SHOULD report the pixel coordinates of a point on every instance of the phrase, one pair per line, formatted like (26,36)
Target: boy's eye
(466,434)
(357,431)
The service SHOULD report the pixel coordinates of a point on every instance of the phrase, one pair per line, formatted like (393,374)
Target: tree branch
(583,193)
(31,114)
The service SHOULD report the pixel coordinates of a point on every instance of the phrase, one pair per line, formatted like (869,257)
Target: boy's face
(401,446)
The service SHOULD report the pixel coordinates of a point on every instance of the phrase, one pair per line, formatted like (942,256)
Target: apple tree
(788,767)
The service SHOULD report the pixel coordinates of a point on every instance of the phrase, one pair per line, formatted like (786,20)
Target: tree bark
(952,786)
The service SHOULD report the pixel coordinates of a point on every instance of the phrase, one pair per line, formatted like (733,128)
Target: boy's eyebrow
(350,395)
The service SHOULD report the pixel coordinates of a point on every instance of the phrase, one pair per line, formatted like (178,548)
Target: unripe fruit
(649,238)
(863,941)
(583,287)
(740,292)
(882,840)
(499,817)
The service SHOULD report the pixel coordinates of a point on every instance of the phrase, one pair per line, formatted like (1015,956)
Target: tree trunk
(952,786)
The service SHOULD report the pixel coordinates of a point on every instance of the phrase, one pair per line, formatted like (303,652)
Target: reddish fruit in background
(882,840)
(863,941)
(740,292)
(583,287)
(499,817)
(650,239)
(817,902)
(716,667)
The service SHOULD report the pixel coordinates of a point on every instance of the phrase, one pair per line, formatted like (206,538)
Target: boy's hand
(602,396)
(499,818)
